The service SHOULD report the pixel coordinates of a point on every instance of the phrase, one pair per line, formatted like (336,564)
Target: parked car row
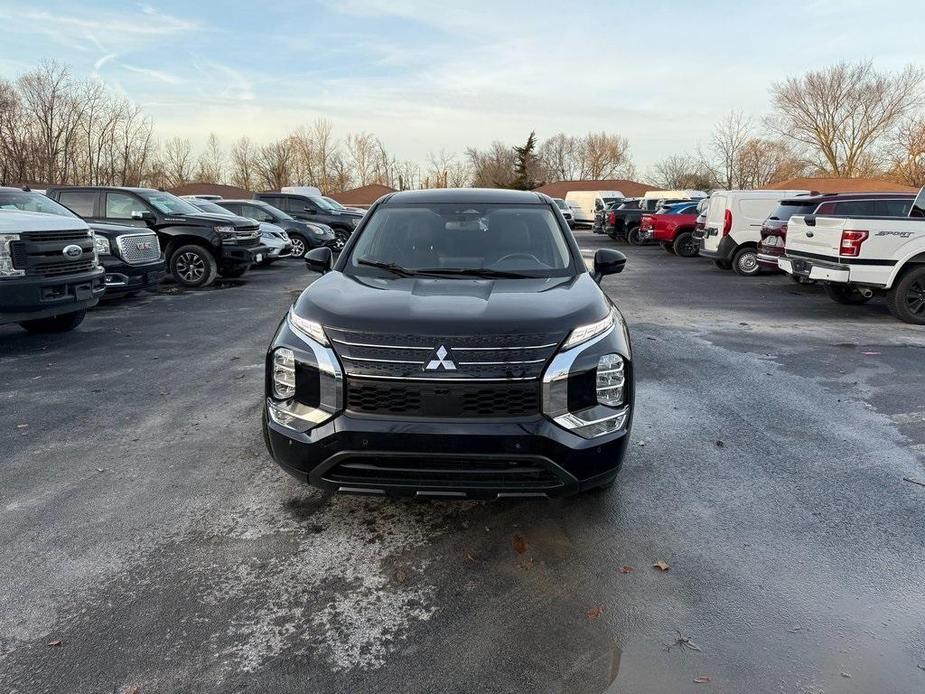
(622,220)
(857,245)
(62,251)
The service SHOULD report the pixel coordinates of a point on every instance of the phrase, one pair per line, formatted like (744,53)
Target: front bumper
(28,298)
(236,256)
(525,456)
(122,278)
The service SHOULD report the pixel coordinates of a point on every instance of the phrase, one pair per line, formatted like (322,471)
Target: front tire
(846,294)
(54,324)
(299,245)
(686,246)
(193,266)
(906,300)
(745,262)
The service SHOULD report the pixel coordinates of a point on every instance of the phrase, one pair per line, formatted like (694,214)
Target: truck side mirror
(146,216)
(608,261)
(319,259)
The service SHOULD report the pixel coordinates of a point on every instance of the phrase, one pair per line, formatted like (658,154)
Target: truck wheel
(54,324)
(723,264)
(846,294)
(906,300)
(299,245)
(669,247)
(686,246)
(193,266)
(634,237)
(745,262)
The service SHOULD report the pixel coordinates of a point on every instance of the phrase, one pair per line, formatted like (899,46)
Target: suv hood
(446,307)
(17,221)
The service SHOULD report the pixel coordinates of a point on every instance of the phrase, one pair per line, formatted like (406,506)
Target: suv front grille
(448,471)
(443,400)
(475,357)
(138,249)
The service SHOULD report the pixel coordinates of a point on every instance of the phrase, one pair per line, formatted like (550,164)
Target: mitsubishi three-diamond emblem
(441,359)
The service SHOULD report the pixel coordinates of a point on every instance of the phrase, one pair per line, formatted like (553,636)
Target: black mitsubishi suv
(197,246)
(459,347)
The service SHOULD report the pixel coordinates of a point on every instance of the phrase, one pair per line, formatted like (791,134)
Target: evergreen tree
(525,165)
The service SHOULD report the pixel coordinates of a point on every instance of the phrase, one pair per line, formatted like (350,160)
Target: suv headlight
(283,374)
(222,229)
(102,246)
(610,380)
(6,256)
(310,328)
(586,332)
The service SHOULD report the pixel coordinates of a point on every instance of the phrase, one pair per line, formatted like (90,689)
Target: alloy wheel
(298,246)
(748,263)
(915,298)
(340,240)
(191,267)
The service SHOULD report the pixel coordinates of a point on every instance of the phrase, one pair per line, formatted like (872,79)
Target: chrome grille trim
(132,255)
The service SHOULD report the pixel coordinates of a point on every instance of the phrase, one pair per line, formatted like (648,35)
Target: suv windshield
(31,202)
(333,203)
(165,203)
(465,239)
(323,204)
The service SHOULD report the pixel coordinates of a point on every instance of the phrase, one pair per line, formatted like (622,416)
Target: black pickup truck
(49,270)
(197,246)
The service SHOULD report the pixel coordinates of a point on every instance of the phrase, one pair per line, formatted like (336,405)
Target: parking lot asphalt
(148,543)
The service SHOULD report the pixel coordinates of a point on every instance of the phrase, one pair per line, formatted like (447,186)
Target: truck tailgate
(822,239)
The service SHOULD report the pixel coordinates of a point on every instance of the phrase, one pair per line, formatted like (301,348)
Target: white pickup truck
(858,257)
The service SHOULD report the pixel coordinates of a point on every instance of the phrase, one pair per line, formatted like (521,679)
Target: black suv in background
(303,235)
(310,208)
(459,347)
(198,246)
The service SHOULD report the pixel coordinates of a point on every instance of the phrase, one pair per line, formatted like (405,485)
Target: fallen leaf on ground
(684,642)
(626,570)
(595,612)
(519,544)
(54,643)
(703,679)
(469,557)
(661,565)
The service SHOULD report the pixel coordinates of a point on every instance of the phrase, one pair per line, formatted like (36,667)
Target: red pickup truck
(673,229)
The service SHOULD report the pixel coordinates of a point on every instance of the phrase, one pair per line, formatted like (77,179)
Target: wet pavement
(148,544)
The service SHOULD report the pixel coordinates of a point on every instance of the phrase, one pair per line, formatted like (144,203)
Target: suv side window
(298,204)
(893,208)
(856,208)
(121,206)
(254,212)
(233,207)
(80,202)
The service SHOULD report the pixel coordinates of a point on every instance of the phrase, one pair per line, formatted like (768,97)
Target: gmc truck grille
(443,400)
(139,249)
(466,357)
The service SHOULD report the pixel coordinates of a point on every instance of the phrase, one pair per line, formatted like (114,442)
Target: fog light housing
(610,380)
(283,374)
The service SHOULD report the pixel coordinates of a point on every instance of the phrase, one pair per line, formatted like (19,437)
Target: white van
(732,228)
(590,201)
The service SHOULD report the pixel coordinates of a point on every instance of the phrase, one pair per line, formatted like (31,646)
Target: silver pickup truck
(858,257)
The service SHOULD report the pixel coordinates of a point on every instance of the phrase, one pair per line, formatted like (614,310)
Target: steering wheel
(529,256)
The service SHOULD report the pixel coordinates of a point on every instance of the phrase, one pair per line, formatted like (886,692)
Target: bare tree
(491,168)
(604,155)
(908,147)
(560,157)
(243,155)
(177,162)
(272,164)
(211,165)
(726,142)
(842,113)
(683,172)
(760,161)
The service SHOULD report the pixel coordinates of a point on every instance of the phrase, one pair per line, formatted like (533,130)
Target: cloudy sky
(425,77)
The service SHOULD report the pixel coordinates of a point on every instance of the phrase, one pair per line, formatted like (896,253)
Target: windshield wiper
(391,267)
(471,271)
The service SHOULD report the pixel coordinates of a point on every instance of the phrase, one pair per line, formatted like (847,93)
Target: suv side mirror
(607,261)
(319,259)
(810,220)
(144,215)
(310,210)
